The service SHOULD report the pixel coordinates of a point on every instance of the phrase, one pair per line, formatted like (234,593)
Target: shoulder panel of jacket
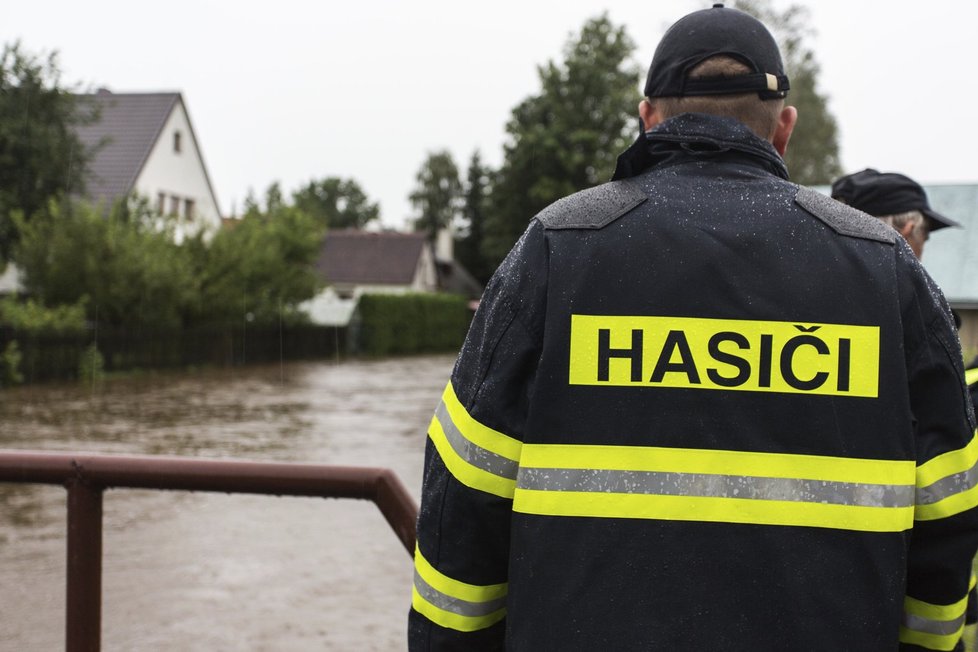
(594,208)
(843,219)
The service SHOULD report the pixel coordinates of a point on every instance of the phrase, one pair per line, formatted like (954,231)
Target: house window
(161,203)
(174,205)
(176,142)
(188,208)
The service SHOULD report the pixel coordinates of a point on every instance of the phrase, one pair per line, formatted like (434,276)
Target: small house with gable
(354,263)
(145,145)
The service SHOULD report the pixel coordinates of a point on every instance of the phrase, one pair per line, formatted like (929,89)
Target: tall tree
(251,204)
(468,245)
(336,203)
(262,267)
(566,138)
(41,157)
(437,197)
(813,152)
(274,201)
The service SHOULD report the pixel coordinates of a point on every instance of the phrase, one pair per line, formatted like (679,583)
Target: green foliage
(40,155)
(274,201)
(813,152)
(336,203)
(33,317)
(10,361)
(126,270)
(251,204)
(125,263)
(468,245)
(568,137)
(412,323)
(91,364)
(438,195)
(257,270)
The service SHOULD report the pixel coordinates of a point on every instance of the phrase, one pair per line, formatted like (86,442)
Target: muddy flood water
(202,571)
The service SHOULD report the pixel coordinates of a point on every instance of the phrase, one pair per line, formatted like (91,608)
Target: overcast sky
(292,91)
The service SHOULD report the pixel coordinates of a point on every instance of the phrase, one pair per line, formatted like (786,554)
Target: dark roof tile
(362,257)
(127,129)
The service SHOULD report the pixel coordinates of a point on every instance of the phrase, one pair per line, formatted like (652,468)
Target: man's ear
(786,124)
(649,114)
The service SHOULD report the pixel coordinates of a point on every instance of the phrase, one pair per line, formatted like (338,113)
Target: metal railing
(87,476)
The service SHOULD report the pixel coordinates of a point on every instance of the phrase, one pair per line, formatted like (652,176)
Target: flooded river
(200,571)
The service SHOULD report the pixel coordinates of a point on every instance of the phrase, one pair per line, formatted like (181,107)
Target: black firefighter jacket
(701,408)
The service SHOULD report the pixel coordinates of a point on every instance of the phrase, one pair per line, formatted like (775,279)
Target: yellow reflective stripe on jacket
(454,604)
(933,626)
(948,484)
(716,486)
(971,376)
(476,455)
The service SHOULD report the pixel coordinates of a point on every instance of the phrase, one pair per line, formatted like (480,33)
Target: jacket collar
(693,136)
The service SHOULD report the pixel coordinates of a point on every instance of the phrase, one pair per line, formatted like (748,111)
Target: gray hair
(899,220)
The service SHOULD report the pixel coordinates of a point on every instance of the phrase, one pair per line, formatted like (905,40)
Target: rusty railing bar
(190,474)
(86,476)
(394,501)
(379,485)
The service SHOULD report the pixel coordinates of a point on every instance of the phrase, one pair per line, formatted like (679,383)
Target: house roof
(123,137)
(454,278)
(362,257)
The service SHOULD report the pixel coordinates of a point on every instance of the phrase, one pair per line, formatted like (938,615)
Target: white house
(145,145)
(355,262)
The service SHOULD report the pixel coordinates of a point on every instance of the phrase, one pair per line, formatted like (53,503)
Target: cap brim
(938,221)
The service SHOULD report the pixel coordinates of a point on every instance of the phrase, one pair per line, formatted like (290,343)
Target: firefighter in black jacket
(700,407)
(899,201)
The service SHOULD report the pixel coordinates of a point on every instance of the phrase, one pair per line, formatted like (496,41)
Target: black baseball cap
(886,193)
(709,33)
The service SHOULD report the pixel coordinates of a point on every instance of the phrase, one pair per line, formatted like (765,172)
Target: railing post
(84,603)
(86,476)
(398,508)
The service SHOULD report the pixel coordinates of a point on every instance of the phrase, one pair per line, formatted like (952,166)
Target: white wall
(10,282)
(425,274)
(328,308)
(179,174)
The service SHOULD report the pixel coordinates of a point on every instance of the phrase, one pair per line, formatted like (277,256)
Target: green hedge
(412,323)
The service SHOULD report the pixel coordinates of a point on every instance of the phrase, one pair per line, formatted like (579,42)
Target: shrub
(412,323)
(91,364)
(30,316)
(10,365)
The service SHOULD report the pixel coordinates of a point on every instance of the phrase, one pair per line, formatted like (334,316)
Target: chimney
(445,245)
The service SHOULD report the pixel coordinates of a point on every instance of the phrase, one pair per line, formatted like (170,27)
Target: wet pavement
(200,571)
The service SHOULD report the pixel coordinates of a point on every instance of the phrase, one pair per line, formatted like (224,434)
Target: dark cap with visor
(715,32)
(887,193)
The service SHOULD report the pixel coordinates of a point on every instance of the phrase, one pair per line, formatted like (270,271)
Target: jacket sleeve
(471,459)
(945,533)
